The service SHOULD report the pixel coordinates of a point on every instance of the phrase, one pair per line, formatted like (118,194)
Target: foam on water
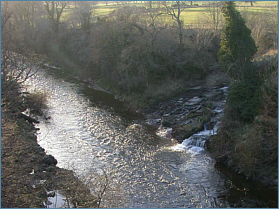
(195,143)
(58,201)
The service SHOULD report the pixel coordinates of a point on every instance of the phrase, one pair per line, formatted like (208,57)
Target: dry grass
(217,79)
(16,156)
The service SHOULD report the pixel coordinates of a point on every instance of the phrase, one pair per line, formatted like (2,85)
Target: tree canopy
(237,45)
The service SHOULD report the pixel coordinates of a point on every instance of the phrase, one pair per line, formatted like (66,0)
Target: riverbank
(29,176)
(89,94)
(197,106)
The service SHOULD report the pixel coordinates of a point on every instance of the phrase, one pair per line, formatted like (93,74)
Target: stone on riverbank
(187,113)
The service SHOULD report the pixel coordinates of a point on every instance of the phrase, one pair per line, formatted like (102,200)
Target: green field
(193,15)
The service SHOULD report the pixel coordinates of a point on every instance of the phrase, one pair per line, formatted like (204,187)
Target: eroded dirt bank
(29,177)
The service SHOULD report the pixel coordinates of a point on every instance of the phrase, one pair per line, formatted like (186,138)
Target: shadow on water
(107,101)
(247,194)
(99,98)
(241,192)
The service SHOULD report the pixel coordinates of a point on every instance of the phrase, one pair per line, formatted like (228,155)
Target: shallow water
(90,130)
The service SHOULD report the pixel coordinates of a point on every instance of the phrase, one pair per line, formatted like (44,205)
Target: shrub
(36,102)
(247,140)
(244,96)
(237,45)
(242,102)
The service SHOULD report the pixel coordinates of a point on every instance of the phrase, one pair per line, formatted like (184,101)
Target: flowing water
(91,130)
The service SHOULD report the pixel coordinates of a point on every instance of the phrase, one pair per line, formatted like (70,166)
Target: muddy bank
(30,177)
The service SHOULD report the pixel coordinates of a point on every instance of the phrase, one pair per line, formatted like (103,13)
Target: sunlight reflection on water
(82,136)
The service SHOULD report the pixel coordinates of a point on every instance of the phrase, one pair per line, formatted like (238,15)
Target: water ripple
(83,136)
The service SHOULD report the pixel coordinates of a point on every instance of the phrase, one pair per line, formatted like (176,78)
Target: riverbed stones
(166,123)
(193,101)
(216,95)
(189,111)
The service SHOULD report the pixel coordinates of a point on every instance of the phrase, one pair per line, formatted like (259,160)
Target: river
(90,131)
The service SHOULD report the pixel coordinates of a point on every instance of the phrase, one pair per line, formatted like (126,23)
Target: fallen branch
(28,118)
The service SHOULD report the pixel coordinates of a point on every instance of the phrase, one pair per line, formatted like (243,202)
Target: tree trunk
(180,35)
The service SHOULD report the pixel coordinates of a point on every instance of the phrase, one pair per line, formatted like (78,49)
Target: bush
(242,102)
(247,140)
(237,45)
(244,96)
(36,102)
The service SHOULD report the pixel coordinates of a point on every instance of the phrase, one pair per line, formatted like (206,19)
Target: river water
(90,131)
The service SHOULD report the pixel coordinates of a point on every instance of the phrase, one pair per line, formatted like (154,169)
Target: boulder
(49,160)
(166,123)
(216,95)
(185,131)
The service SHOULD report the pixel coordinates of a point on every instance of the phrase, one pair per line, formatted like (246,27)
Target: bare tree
(82,14)
(264,29)
(105,188)
(54,10)
(25,16)
(175,12)
(5,13)
(14,71)
(152,25)
(215,15)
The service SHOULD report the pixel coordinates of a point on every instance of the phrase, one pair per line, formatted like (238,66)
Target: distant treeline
(132,49)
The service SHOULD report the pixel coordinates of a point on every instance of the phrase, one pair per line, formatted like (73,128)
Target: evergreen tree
(237,45)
